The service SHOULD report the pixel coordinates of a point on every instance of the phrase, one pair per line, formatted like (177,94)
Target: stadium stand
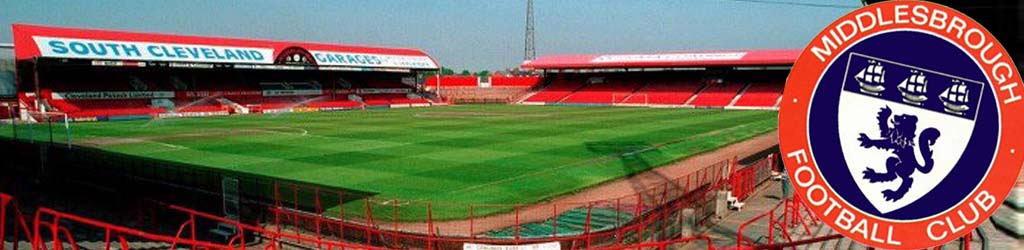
(472,89)
(576,221)
(760,95)
(92,108)
(451,81)
(659,90)
(607,91)
(558,90)
(204,93)
(717,94)
(389,99)
(713,79)
(335,104)
(279,77)
(494,94)
(6,111)
(664,93)
(201,105)
(519,81)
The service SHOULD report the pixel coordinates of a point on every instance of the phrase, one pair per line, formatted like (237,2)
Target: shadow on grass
(635,158)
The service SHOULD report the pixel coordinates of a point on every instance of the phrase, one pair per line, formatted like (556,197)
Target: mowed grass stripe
(446,155)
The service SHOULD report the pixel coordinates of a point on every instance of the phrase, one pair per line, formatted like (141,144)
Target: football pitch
(481,154)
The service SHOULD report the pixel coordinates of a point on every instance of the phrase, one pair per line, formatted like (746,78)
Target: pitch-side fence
(659,212)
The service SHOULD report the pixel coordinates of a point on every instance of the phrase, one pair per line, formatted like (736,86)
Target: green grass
(445,155)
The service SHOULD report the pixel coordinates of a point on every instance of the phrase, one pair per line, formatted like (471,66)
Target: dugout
(734,79)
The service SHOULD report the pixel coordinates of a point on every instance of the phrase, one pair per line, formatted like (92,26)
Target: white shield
(858,114)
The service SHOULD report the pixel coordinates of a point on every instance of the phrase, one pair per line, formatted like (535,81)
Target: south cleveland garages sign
(61,47)
(33,41)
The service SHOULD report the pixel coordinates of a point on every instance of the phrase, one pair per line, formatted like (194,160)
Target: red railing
(376,221)
(9,208)
(793,214)
(664,245)
(275,237)
(744,181)
(646,225)
(656,220)
(53,221)
(50,231)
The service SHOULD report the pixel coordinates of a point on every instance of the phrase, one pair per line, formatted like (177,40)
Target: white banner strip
(540,246)
(291,92)
(670,57)
(331,58)
(383,91)
(113,95)
(146,51)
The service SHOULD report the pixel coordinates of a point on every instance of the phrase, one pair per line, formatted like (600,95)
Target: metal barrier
(276,238)
(744,181)
(302,216)
(9,208)
(51,228)
(52,220)
(664,245)
(652,215)
(788,214)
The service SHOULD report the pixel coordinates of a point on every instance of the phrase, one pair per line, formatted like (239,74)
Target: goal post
(634,98)
(39,126)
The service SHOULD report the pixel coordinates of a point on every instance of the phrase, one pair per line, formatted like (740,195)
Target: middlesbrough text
(921,16)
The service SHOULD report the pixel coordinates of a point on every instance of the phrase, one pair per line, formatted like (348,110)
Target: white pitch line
(170,145)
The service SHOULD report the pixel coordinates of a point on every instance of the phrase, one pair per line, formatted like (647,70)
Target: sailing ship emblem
(955,98)
(914,88)
(871,78)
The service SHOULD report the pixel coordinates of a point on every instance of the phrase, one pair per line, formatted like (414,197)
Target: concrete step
(1016,197)
(822,231)
(22,245)
(1010,220)
(843,244)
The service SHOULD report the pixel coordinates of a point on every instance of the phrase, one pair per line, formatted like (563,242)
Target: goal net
(38,126)
(629,99)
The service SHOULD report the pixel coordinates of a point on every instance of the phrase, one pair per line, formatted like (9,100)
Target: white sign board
(670,57)
(146,51)
(384,91)
(113,95)
(331,58)
(292,92)
(539,246)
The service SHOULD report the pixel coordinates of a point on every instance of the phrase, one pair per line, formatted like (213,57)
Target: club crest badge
(900,125)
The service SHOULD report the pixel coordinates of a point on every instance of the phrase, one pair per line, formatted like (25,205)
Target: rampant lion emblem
(900,139)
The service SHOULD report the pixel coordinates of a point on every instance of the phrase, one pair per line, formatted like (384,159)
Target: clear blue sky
(471,35)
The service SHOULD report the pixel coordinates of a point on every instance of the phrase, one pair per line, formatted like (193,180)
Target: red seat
(558,89)
(518,81)
(663,92)
(717,95)
(607,92)
(335,104)
(760,95)
(94,108)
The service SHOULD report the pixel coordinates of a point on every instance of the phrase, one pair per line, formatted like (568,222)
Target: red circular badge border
(794,109)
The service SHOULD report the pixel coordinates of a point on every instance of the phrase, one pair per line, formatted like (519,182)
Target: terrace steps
(572,222)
